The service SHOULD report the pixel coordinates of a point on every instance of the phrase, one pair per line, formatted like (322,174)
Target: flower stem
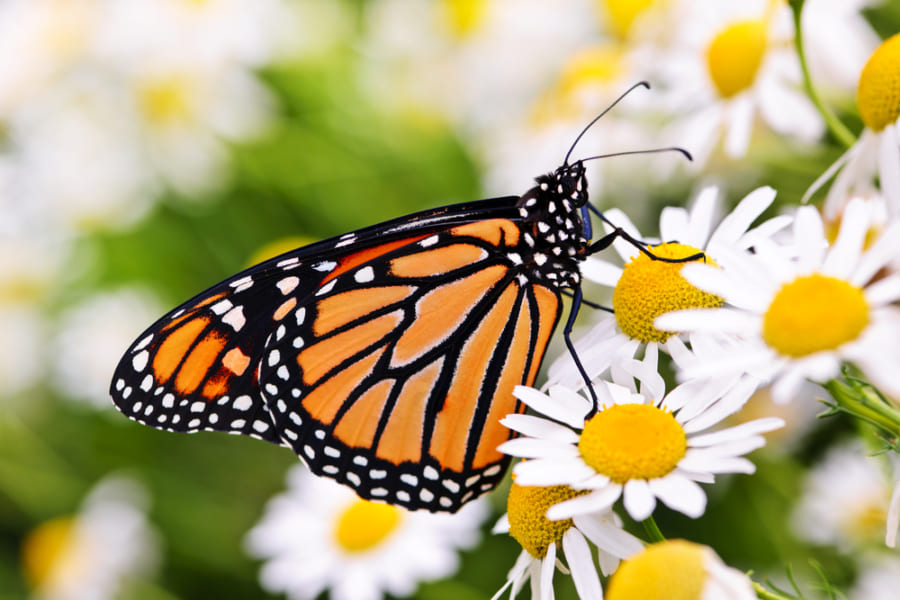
(652,530)
(864,402)
(835,126)
(765,594)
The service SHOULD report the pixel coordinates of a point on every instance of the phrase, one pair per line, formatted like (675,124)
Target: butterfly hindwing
(394,376)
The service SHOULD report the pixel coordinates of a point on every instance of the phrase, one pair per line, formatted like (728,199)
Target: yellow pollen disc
(43,548)
(528,525)
(878,94)
(670,570)
(734,56)
(622,14)
(166,100)
(463,17)
(632,441)
(364,525)
(649,288)
(866,522)
(814,313)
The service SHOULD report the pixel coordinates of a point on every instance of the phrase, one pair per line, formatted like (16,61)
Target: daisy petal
(738,431)
(847,248)
(739,220)
(888,159)
(718,465)
(570,413)
(597,501)
(607,536)
(533,448)
(600,271)
(548,471)
(809,235)
(681,494)
(537,427)
(548,566)
(581,564)
(673,225)
(715,320)
(885,249)
(638,499)
(502,524)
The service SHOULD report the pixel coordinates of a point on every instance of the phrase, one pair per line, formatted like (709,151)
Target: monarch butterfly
(384,357)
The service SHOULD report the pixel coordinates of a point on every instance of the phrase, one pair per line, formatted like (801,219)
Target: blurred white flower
(844,502)
(93,554)
(22,353)
(877,151)
(319,535)
(732,62)
(879,580)
(91,338)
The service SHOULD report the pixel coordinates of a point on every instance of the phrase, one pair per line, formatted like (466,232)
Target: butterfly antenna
(686,154)
(643,84)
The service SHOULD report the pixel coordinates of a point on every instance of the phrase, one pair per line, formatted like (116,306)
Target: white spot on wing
(429,241)
(221,307)
(364,275)
(242,402)
(143,343)
(288,284)
(235,318)
(139,362)
(326,288)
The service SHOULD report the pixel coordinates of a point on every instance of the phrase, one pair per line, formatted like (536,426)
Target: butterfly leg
(589,303)
(567,336)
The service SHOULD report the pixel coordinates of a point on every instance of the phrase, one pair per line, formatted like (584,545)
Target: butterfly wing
(397,345)
(393,375)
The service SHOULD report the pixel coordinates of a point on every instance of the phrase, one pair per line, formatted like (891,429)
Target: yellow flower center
(649,288)
(594,67)
(43,549)
(463,17)
(166,100)
(528,524)
(866,522)
(670,570)
(734,56)
(364,525)
(622,14)
(632,441)
(814,313)
(878,94)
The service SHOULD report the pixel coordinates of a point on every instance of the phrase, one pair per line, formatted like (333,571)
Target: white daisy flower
(675,569)
(799,318)
(543,540)
(735,64)
(320,536)
(877,151)
(844,502)
(878,580)
(639,446)
(92,555)
(92,336)
(644,288)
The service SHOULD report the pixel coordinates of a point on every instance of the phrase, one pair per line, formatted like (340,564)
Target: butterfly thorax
(554,240)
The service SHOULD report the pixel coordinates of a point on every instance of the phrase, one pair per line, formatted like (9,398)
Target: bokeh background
(151,148)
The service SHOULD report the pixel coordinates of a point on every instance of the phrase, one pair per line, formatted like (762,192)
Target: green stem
(652,530)
(864,403)
(765,594)
(835,126)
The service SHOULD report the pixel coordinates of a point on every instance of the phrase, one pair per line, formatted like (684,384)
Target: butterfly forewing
(393,378)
